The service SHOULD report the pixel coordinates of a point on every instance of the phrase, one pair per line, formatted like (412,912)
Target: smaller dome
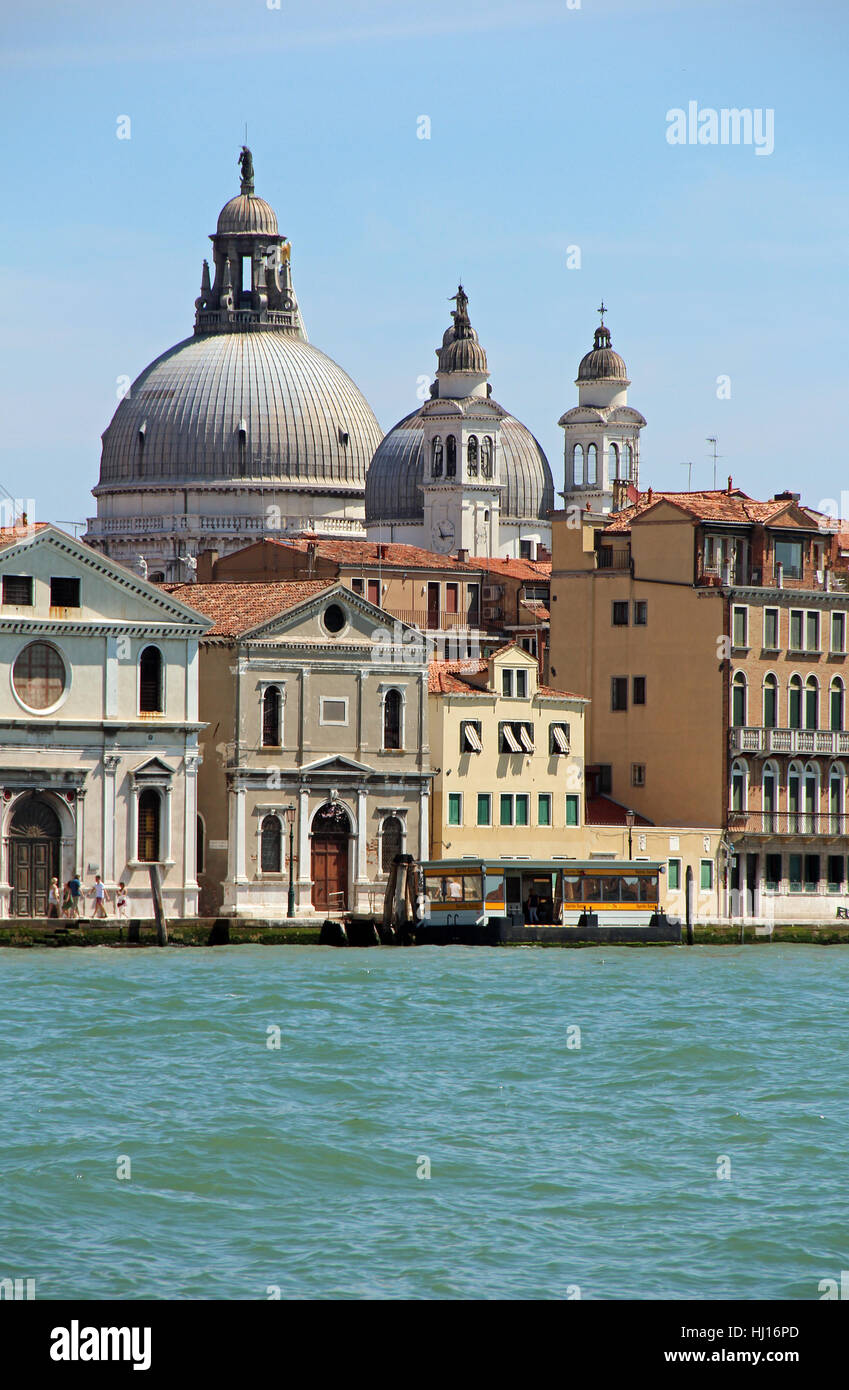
(463,355)
(247,213)
(602,363)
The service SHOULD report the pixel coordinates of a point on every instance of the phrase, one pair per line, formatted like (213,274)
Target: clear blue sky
(548,129)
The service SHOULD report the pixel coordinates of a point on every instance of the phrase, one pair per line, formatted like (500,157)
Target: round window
(334,618)
(39,676)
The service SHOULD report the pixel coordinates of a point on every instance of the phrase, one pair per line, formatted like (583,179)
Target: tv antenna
(689,475)
(711,439)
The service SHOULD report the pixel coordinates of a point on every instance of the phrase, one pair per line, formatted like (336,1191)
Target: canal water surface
(425,1123)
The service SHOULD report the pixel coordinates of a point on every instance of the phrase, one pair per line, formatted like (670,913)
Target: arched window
(436,458)
(629,461)
(271,845)
(770,702)
(592,463)
(486,457)
(812,703)
(739,786)
(271,735)
(738,700)
(811,793)
(150,681)
(392,719)
(770,798)
(578,465)
(472,455)
(391,842)
(451,457)
(794,708)
(794,798)
(836,783)
(150,807)
(612,462)
(837,704)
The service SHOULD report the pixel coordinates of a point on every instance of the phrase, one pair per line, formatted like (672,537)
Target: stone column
(237,835)
(304,865)
(362,880)
(424,820)
(107,860)
(190,883)
(79,848)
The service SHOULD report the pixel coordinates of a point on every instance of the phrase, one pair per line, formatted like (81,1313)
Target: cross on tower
(602,310)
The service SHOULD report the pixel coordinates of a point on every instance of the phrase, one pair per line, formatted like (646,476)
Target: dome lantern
(253,287)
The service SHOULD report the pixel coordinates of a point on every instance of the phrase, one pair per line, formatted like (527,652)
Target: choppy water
(550,1166)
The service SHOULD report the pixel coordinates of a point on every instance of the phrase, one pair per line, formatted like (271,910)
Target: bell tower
(602,445)
(461,423)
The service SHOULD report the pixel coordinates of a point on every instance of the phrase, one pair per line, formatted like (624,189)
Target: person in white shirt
(98,892)
(122,906)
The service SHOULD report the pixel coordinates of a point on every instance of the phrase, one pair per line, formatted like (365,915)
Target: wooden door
(33,867)
(34,855)
(330,873)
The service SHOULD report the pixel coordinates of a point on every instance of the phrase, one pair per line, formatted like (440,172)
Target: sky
(723,269)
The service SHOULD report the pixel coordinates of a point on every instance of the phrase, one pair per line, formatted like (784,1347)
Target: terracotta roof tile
(457,678)
(735,506)
(515,569)
(395,554)
(10,535)
(237,607)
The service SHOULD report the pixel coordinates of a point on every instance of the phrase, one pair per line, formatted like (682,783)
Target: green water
(552,1167)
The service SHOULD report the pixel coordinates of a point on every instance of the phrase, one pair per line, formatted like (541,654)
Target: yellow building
(510,760)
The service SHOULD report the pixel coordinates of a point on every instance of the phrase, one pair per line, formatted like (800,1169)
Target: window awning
(527,741)
(472,740)
(510,739)
(560,738)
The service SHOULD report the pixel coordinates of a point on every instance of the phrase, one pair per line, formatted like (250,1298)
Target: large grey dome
(251,404)
(393,489)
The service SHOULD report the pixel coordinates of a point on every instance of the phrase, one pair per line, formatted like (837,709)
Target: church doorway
(331,832)
(34,844)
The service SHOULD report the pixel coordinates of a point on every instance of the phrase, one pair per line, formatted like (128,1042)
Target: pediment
(338,763)
(109,592)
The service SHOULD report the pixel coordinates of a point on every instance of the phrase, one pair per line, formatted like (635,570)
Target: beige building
(316,704)
(440,594)
(710,631)
(510,757)
(98,725)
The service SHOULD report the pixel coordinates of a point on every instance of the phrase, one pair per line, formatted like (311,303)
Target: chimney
(463,556)
(648,494)
(206,562)
(310,557)
(730,482)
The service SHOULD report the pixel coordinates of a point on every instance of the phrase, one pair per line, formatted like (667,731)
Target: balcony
(799,823)
(433,621)
(823,742)
(608,558)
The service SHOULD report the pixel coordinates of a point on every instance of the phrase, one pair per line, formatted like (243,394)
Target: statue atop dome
(246,165)
(460,315)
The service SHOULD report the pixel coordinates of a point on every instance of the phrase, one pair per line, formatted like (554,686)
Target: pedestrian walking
(75,889)
(98,892)
(54,898)
(122,906)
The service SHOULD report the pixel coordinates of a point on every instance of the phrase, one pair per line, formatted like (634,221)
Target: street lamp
(289,813)
(630,817)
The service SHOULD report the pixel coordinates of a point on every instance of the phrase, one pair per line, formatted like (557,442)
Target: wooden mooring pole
(158,911)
